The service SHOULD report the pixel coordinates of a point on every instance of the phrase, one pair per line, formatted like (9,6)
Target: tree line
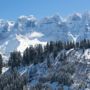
(35,55)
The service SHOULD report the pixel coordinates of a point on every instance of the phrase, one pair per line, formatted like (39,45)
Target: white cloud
(36,35)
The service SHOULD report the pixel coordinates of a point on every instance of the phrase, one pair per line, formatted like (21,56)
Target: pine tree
(51,46)
(32,55)
(15,59)
(48,62)
(39,51)
(59,45)
(46,49)
(1,64)
(29,56)
(26,60)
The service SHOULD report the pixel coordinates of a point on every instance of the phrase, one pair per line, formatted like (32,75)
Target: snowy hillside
(28,30)
(81,76)
(48,78)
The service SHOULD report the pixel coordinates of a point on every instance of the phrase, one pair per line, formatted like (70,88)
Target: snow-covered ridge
(28,30)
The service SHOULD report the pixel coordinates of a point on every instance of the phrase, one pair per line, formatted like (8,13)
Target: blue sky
(12,9)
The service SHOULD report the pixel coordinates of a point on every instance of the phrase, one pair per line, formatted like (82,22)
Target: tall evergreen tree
(26,60)
(48,62)
(46,48)
(1,64)
(39,50)
(32,55)
(29,56)
(15,59)
(51,46)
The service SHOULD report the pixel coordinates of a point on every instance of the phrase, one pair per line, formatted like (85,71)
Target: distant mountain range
(28,30)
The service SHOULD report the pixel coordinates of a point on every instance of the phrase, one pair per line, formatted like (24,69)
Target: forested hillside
(55,66)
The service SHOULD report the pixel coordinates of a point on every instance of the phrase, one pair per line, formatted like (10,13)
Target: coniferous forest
(12,80)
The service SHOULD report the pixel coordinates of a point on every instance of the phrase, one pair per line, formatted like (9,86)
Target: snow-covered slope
(41,74)
(28,30)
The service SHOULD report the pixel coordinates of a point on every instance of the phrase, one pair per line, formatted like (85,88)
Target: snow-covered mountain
(48,78)
(28,30)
